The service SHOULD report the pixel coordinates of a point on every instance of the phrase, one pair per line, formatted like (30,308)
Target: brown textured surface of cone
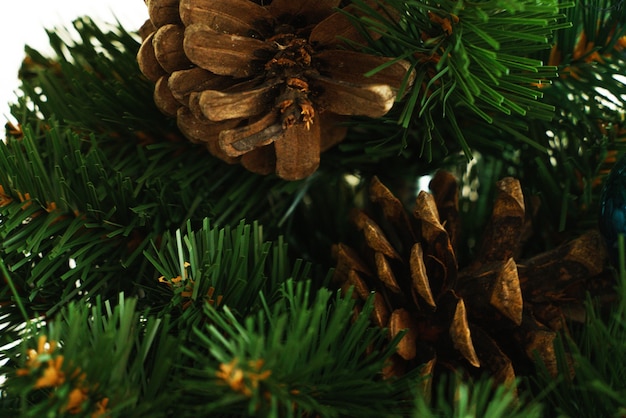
(203,131)
(426,383)
(164,99)
(340,64)
(311,11)
(222,53)
(184,82)
(502,234)
(419,275)
(236,142)
(374,236)
(163,12)
(359,285)
(539,342)
(147,61)
(494,283)
(221,16)
(435,235)
(265,61)
(385,274)
(506,295)
(586,252)
(261,160)
(343,98)
(492,358)
(168,48)
(298,151)
(461,335)
(381,313)
(146,30)
(348,259)
(493,314)
(447,202)
(220,106)
(336,27)
(564,275)
(401,320)
(392,208)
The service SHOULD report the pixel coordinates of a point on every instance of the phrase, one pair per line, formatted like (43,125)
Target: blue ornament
(613,207)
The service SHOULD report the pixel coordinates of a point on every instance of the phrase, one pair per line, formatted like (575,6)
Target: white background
(23,22)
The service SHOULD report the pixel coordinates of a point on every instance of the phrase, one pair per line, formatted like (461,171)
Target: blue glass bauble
(613,207)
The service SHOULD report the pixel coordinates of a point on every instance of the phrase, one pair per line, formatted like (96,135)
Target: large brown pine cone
(264,85)
(494,315)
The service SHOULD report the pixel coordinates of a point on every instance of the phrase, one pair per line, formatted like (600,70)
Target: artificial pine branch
(61,206)
(474,65)
(589,127)
(302,355)
(105,360)
(597,388)
(95,178)
(229,266)
(458,398)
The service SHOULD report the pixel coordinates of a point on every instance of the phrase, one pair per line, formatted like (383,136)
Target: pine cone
(264,85)
(493,315)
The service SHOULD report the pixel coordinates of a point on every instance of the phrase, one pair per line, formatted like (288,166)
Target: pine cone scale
(419,276)
(502,234)
(401,320)
(146,59)
(164,99)
(496,284)
(218,106)
(184,82)
(344,98)
(461,334)
(163,12)
(221,53)
(168,48)
(237,142)
(229,16)
(298,151)
(314,10)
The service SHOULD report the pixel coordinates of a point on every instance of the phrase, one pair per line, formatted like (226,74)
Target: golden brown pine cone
(263,85)
(493,315)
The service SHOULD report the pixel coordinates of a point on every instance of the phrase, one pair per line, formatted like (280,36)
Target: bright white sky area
(24,22)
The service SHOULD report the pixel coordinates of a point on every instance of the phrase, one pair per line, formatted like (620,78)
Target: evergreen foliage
(143,277)
(597,389)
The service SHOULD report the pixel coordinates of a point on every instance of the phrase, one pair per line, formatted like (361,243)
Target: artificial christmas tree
(147,275)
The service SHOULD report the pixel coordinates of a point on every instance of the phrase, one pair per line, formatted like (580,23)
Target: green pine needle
(221,266)
(116,358)
(306,355)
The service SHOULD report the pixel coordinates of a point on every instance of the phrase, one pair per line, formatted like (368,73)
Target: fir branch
(92,83)
(61,207)
(458,398)
(473,62)
(589,125)
(220,266)
(301,355)
(596,389)
(95,361)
